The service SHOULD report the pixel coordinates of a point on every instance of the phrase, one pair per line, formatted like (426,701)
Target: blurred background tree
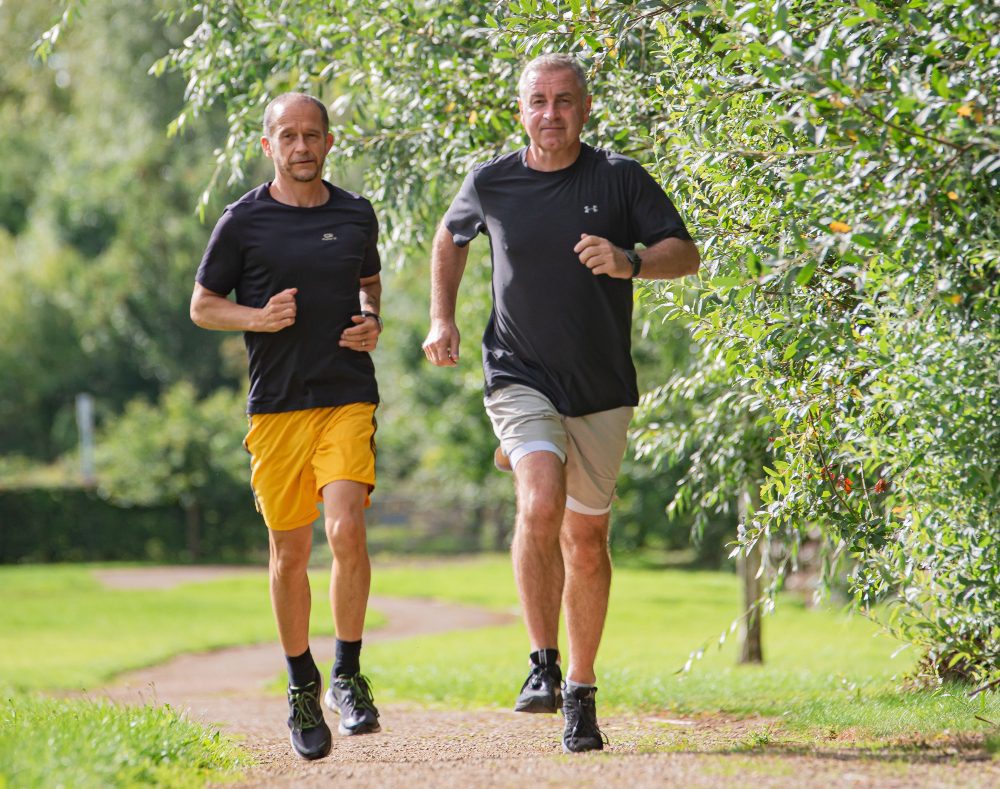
(97,231)
(838,164)
(836,161)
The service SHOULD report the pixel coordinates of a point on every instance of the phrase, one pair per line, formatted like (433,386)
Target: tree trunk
(475,528)
(192,518)
(501,532)
(747,567)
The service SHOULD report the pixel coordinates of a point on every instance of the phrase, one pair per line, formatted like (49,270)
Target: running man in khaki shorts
(301,255)
(563,219)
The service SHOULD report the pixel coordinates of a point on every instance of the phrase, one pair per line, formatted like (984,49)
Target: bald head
(286,99)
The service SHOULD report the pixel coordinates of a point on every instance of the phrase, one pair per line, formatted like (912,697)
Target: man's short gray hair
(287,98)
(553,63)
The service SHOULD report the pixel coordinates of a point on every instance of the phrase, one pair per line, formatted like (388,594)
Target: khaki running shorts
(592,446)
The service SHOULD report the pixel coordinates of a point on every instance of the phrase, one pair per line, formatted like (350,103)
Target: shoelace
(304,708)
(584,721)
(362,692)
(535,677)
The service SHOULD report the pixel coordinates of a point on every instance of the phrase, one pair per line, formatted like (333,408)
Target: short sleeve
(464,218)
(372,263)
(222,264)
(653,215)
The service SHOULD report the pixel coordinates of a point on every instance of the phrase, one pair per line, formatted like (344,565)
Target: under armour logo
(590,209)
(329,237)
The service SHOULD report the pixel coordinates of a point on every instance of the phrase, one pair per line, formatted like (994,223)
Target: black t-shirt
(260,247)
(555,327)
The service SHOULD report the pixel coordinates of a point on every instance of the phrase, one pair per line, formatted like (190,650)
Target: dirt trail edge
(227,688)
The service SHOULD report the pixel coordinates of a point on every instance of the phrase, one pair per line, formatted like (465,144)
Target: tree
(182,451)
(97,229)
(838,163)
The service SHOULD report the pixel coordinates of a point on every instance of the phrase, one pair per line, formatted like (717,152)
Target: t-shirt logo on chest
(328,237)
(590,209)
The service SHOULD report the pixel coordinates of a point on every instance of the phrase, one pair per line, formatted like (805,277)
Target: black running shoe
(352,698)
(581,732)
(541,690)
(309,733)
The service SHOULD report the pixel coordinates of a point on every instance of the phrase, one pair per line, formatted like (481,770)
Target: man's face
(553,109)
(298,143)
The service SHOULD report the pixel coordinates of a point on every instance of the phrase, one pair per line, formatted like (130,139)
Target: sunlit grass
(61,629)
(824,668)
(47,742)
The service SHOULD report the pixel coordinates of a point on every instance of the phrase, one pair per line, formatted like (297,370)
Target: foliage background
(836,161)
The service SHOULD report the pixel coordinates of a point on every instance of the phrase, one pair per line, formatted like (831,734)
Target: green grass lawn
(79,743)
(826,671)
(824,668)
(61,629)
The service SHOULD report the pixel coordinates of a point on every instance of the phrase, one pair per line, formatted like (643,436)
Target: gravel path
(441,748)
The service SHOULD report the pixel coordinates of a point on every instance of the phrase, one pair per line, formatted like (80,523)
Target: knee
(288,562)
(586,553)
(538,529)
(346,535)
(541,514)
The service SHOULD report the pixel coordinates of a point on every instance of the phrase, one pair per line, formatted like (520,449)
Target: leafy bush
(181,451)
(837,163)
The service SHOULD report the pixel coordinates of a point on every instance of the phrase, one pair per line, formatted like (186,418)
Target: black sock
(301,669)
(348,660)
(545,657)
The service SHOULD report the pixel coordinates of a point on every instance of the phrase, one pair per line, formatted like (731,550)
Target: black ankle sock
(545,657)
(348,660)
(301,669)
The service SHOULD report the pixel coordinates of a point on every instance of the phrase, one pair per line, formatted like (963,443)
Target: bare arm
(371,294)
(447,267)
(364,334)
(212,310)
(666,259)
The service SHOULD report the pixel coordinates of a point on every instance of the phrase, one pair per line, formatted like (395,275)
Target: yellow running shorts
(295,453)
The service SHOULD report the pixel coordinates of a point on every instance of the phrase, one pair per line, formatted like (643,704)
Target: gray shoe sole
(538,705)
(363,728)
(308,757)
(598,747)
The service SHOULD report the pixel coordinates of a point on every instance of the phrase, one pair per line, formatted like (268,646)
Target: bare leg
(588,583)
(540,479)
(351,575)
(290,596)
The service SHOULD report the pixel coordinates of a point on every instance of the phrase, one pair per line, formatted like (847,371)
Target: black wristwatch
(635,260)
(375,315)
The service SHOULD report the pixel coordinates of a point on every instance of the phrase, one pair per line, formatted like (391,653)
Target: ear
(586,108)
(329,141)
(266,145)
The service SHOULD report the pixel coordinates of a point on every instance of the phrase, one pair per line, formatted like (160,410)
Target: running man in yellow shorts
(301,256)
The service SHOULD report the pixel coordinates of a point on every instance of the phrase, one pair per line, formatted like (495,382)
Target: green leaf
(939,81)
(806,272)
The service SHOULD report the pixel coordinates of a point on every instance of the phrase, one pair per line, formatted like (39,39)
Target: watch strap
(635,260)
(375,315)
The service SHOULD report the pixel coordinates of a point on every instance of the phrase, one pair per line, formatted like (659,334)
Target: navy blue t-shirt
(556,327)
(260,247)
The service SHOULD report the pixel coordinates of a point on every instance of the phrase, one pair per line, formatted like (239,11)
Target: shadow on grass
(754,738)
